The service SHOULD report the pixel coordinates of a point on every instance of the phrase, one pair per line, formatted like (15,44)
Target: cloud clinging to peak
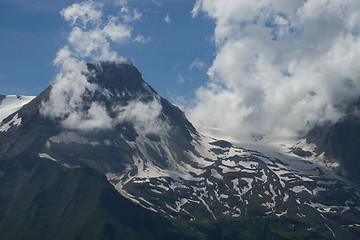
(90,38)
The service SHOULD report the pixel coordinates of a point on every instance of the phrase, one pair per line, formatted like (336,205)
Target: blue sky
(33,31)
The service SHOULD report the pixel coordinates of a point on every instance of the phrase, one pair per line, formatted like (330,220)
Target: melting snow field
(225,179)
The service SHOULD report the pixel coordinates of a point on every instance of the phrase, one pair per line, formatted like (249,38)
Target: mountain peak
(100,96)
(119,75)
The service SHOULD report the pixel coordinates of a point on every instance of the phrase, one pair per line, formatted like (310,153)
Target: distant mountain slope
(11,103)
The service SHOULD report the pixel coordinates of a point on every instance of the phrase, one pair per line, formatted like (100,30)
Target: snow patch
(47,156)
(298,189)
(281,214)
(328,209)
(215,174)
(228,163)
(15,121)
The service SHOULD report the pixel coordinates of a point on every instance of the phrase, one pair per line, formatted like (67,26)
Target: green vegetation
(250,227)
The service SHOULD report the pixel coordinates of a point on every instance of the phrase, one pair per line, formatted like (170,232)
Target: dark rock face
(2,97)
(300,152)
(125,80)
(340,142)
(119,76)
(222,144)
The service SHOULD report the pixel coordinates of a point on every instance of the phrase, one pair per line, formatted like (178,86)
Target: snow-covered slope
(11,103)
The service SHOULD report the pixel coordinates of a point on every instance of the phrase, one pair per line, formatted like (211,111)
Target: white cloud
(121,2)
(280,65)
(92,39)
(143,115)
(94,118)
(116,31)
(157,2)
(130,14)
(66,96)
(180,79)
(141,39)
(196,8)
(83,12)
(197,63)
(167,19)
(92,43)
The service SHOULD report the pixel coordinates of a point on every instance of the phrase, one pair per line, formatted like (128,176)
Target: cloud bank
(90,40)
(280,67)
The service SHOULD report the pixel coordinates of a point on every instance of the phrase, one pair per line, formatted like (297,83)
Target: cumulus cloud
(83,12)
(89,40)
(280,67)
(91,34)
(116,31)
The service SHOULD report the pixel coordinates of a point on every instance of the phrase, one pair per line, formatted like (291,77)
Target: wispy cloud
(157,2)
(280,66)
(180,79)
(141,39)
(167,19)
(197,63)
